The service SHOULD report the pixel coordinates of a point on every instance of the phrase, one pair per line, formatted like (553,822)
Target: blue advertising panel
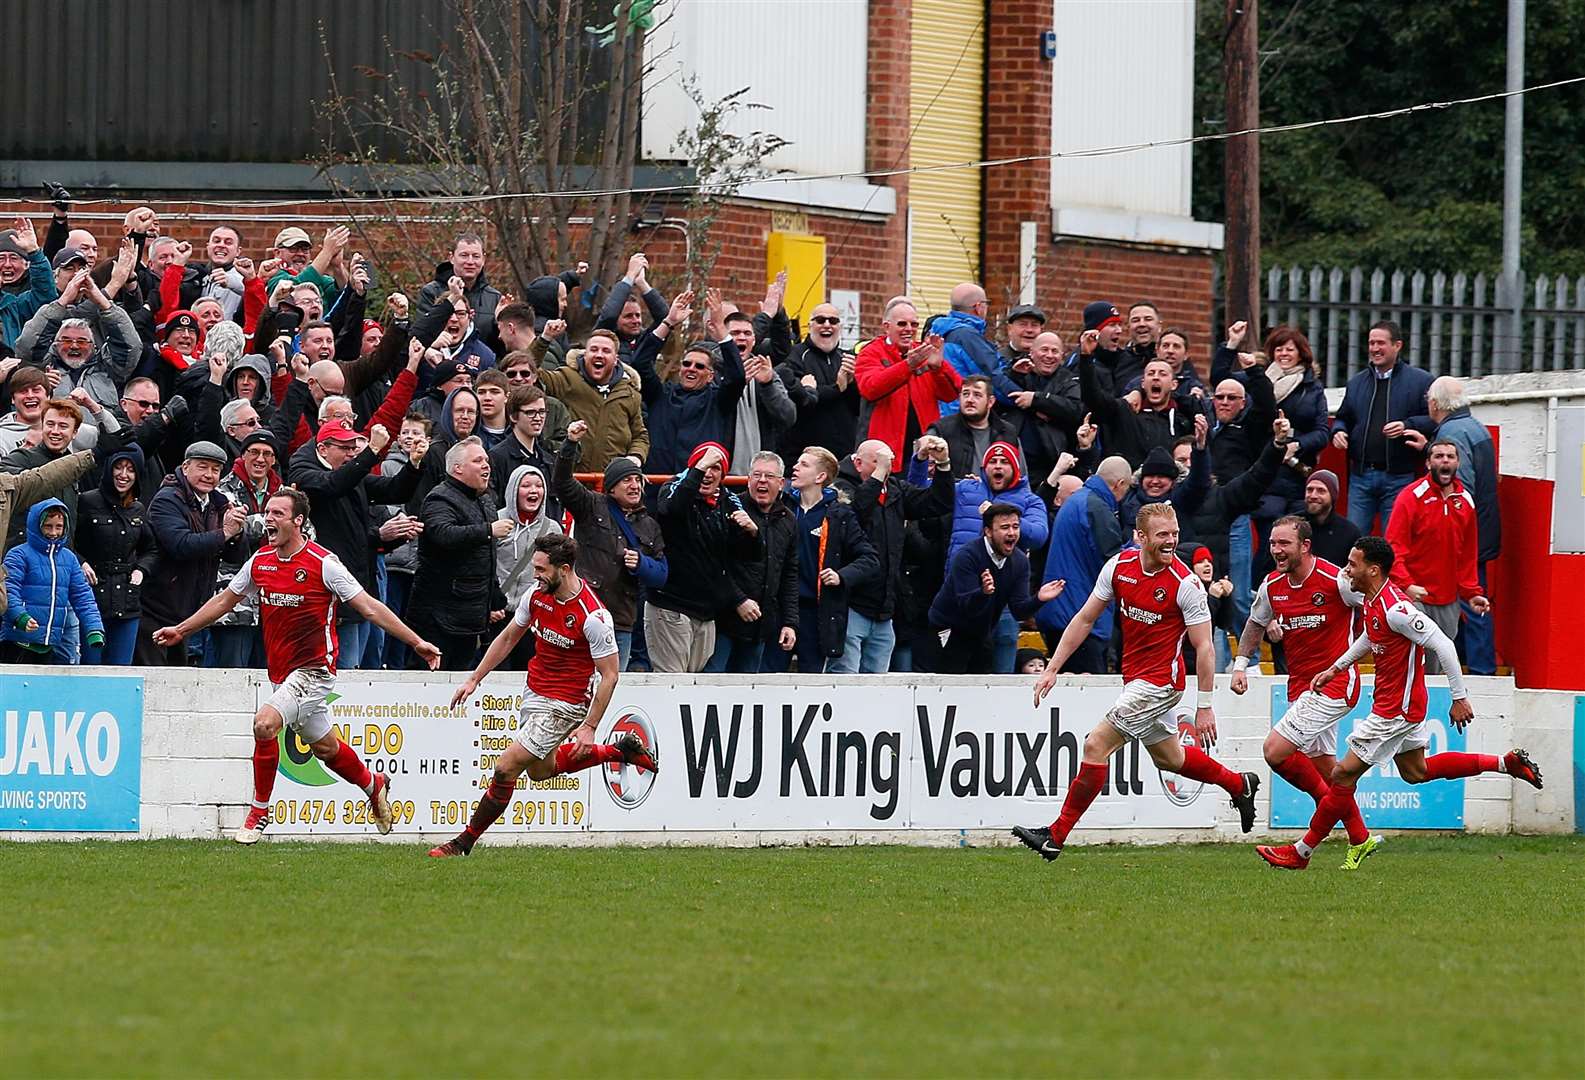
(71,753)
(1385,800)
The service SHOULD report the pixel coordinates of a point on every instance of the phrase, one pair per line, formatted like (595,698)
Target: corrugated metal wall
(1109,95)
(806,61)
(190,80)
(947,122)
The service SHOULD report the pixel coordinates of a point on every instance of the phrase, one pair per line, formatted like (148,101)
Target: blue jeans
(624,648)
(1240,564)
(734,657)
(120,636)
(868,647)
(1477,642)
(235,647)
(1224,651)
(374,644)
(1004,644)
(1372,491)
(67,649)
(810,659)
(354,638)
(397,586)
(903,657)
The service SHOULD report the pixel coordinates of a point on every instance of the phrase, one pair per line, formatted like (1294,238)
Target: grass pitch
(1457,956)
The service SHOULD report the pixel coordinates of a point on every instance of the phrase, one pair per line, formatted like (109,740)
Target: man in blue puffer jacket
(1085,534)
(967,349)
(1001,480)
(43,581)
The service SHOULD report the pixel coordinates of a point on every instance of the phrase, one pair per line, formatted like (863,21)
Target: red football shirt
(1157,609)
(1398,633)
(572,634)
(298,599)
(1319,618)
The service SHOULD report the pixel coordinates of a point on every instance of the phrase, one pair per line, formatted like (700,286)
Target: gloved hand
(94,639)
(176,410)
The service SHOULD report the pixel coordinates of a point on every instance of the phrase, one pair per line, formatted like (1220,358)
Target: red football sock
(1085,787)
(1301,772)
(266,758)
(1198,765)
(346,764)
(1333,808)
(1354,825)
(497,797)
(570,758)
(1453,765)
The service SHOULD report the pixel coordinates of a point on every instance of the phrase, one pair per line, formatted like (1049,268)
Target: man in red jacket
(902,384)
(1434,534)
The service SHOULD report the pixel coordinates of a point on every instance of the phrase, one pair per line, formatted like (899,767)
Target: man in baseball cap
(1024,324)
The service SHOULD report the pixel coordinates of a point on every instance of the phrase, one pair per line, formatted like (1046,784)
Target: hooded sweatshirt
(1034,525)
(43,580)
(512,552)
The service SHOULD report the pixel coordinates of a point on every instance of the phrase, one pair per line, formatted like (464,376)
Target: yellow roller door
(947,94)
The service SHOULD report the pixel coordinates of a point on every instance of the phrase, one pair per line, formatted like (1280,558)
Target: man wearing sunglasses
(823,388)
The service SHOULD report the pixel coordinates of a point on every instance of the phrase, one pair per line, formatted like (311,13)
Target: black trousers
(967,652)
(458,652)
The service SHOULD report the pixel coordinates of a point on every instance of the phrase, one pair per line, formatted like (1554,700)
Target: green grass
(1445,956)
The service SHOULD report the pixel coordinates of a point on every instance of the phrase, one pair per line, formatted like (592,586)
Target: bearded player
(299,586)
(1397,634)
(1160,600)
(1308,604)
(570,682)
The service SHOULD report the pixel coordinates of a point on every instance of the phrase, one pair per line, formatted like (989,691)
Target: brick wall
(1070,272)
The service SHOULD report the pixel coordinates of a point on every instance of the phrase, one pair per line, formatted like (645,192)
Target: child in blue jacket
(43,580)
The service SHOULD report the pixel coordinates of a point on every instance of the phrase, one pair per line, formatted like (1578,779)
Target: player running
(1307,604)
(1398,634)
(300,586)
(570,681)
(1160,600)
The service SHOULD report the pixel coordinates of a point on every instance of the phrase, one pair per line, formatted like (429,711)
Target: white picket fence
(1455,324)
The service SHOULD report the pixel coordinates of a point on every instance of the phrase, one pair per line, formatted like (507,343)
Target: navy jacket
(962,604)
(679,419)
(1084,535)
(1406,402)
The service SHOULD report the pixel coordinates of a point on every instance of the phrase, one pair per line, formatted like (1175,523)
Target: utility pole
(1241,168)
(1510,352)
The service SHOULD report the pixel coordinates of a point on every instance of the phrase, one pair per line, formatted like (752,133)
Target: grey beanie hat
(204,450)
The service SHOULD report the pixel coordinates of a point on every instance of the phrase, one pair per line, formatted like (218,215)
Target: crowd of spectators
(748,494)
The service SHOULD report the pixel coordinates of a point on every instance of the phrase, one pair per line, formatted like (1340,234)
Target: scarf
(1283,384)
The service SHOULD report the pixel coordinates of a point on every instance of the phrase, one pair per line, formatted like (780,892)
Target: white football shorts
(301,702)
(1311,723)
(544,723)
(1143,711)
(1375,739)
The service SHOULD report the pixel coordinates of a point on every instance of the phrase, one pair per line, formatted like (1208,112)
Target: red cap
(1201,554)
(372,324)
(338,431)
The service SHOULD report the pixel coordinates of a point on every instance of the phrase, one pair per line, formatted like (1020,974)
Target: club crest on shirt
(572,620)
(1317,599)
(300,575)
(1160,595)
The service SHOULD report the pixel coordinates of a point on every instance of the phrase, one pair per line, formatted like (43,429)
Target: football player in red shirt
(299,586)
(1397,633)
(1159,601)
(570,681)
(1308,604)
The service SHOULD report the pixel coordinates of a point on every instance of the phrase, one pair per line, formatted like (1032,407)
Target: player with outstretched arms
(1397,634)
(300,586)
(1160,600)
(570,681)
(1308,604)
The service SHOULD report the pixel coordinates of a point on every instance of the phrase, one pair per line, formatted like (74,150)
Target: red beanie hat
(699,451)
(1201,554)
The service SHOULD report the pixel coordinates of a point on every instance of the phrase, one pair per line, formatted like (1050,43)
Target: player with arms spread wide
(570,681)
(1398,634)
(1308,604)
(1160,600)
(300,586)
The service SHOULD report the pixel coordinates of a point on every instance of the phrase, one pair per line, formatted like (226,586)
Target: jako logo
(1180,789)
(629,785)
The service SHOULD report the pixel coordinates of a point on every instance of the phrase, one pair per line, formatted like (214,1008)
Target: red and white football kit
(1319,618)
(1397,633)
(1156,610)
(298,597)
(571,635)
